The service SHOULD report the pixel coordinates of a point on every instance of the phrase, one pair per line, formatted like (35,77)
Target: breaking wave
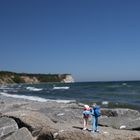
(33,89)
(35,98)
(61,88)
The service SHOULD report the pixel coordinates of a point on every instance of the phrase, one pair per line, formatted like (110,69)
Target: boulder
(75,135)
(37,123)
(21,134)
(121,119)
(45,134)
(7,126)
(119,112)
(133,124)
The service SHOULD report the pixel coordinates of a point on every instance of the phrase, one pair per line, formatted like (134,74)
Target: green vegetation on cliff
(12,77)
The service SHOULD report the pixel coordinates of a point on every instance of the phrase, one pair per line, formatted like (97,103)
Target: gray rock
(21,134)
(120,113)
(45,134)
(37,123)
(7,126)
(133,124)
(75,135)
(68,122)
(121,119)
(128,113)
(115,122)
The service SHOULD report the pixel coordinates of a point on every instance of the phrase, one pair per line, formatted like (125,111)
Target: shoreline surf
(109,95)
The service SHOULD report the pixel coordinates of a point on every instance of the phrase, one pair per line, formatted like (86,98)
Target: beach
(63,121)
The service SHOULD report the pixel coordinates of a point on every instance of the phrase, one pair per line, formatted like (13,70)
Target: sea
(118,94)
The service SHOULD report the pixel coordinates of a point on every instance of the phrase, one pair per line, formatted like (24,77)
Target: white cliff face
(68,79)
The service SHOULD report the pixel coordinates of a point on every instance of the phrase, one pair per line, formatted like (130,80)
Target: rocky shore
(29,120)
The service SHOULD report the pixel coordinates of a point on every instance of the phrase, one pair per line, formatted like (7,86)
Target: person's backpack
(97,111)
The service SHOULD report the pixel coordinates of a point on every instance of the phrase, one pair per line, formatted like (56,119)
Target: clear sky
(94,40)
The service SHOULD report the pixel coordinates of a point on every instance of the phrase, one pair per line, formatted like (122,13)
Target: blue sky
(94,40)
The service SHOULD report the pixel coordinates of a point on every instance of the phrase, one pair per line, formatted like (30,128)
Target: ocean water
(125,94)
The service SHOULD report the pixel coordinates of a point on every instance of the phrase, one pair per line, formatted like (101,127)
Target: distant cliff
(7,77)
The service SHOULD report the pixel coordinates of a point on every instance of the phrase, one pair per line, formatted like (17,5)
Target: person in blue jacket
(96,113)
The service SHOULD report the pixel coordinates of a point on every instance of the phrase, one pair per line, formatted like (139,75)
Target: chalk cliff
(68,79)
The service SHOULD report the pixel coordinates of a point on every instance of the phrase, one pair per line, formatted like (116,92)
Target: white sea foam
(62,101)
(34,89)
(5,87)
(35,98)
(61,87)
(105,102)
(124,84)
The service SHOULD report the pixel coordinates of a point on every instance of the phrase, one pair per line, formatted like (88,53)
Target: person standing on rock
(96,113)
(86,116)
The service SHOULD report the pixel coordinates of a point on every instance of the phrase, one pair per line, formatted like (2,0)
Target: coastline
(65,118)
